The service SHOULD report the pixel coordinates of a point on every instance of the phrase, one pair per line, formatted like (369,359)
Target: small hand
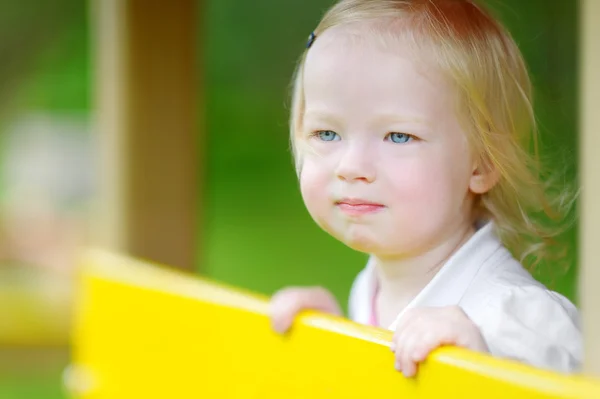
(421,330)
(288,302)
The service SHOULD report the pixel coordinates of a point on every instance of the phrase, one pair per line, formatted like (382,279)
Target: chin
(358,238)
(362,247)
(361,243)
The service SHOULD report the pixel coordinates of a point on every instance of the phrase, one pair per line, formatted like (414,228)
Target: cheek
(313,186)
(428,186)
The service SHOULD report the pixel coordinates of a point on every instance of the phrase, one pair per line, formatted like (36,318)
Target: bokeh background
(256,232)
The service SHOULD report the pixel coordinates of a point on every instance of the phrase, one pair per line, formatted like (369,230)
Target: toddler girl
(411,124)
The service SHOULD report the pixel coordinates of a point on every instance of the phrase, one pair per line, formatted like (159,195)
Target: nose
(357,164)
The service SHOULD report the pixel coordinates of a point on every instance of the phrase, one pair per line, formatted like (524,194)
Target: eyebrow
(321,115)
(384,118)
(390,118)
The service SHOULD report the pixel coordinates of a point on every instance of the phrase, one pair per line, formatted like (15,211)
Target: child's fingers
(402,340)
(402,329)
(405,322)
(414,344)
(408,365)
(399,340)
(286,304)
(426,344)
(323,300)
(409,369)
(398,357)
(282,314)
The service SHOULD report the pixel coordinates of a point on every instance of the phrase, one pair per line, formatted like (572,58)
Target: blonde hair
(495,103)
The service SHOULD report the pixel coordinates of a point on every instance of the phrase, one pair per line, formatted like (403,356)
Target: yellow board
(144,331)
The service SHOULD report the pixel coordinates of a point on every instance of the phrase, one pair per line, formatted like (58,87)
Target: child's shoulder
(504,281)
(504,293)
(521,318)
(497,278)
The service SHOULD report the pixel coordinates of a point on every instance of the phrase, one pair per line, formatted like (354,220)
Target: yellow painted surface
(143,331)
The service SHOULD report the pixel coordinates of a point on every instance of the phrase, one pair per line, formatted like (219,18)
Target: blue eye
(399,138)
(327,135)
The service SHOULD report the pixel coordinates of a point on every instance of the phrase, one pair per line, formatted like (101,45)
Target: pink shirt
(373,317)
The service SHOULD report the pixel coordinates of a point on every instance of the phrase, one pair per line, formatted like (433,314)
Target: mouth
(357,206)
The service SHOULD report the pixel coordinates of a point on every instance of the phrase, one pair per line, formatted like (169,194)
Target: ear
(484,177)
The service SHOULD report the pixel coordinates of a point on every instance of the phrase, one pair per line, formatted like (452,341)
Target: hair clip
(311,39)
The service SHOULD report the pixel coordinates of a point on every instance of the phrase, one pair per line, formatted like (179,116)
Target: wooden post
(146,117)
(590,181)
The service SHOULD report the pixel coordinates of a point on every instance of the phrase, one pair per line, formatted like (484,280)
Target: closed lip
(357,202)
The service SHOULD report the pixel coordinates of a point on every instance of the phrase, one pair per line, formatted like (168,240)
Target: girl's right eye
(326,135)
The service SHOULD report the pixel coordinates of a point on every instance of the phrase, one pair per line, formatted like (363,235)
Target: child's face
(388,168)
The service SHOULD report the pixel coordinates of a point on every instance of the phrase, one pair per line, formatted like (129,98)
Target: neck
(401,279)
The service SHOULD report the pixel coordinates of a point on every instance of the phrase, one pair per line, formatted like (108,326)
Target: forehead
(359,66)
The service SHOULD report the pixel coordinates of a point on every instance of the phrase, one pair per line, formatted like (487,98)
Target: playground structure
(147,331)
(135,336)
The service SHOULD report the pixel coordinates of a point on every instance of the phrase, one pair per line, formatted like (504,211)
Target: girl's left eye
(399,138)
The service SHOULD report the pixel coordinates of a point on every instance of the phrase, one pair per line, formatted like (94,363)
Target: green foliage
(257,233)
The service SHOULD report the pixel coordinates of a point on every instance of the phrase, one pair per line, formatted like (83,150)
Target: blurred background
(254,230)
